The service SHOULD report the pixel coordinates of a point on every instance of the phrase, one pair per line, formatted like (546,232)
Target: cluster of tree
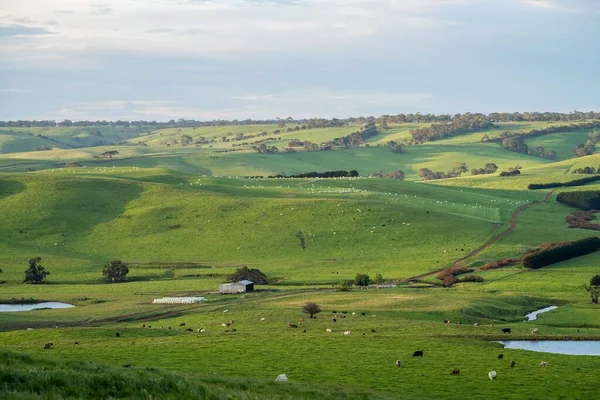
(457,125)
(41,148)
(354,139)
(514,172)
(108,154)
(263,148)
(584,200)
(36,273)
(450,276)
(589,147)
(457,171)
(489,168)
(544,131)
(587,170)
(582,220)
(398,175)
(359,280)
(327,174)
(251,274)
(315,122)
(576,182)
(516,143)
(561,253)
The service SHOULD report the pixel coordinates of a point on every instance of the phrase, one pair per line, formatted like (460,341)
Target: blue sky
(212,59)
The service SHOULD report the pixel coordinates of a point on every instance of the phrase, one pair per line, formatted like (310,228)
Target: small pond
(570,347)
(533,315)
(29,307)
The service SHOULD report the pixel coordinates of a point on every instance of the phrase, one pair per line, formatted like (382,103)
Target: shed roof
(246,282)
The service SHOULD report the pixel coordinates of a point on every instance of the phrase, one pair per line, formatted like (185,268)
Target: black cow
(372,330)
(418,353)
(48,346)
(506,330)
(182,324)
(512,363)
(500,356)
(117,334)
(455,372)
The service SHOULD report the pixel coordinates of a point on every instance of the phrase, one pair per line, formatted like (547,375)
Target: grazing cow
(117,334)
(143,325)
(418,353)
(492,375)
(182,324)
(48,346)
(500,356)
(476,324)
(76,343)
(231,321)
(505,330)
(512,363)
(455,372)
(133,342)
(363,314)
(304,331)
(544,364)
(126,365)
(334,320)
(189,330)
(373,331)
(398,363)
(446,321)
(292,325)
(344,312)
(201,330)
(347,332)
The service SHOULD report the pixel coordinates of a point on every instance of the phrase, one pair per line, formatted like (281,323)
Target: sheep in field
(544,364)
(492,375)
(329,330)
(347,332)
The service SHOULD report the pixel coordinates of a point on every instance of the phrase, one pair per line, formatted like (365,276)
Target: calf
(182,324)
(505,330)
(418,353)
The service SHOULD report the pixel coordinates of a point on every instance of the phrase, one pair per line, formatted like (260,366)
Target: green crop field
(185,217)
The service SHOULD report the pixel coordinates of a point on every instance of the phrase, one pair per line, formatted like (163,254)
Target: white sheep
(329,330)
(281,378)
(544,364)
(492,375)
(347,332)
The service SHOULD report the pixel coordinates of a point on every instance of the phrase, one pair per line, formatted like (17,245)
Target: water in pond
(571,347)
(533,316)
(29,307)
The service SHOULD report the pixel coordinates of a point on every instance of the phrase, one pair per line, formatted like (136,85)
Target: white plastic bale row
(179,300)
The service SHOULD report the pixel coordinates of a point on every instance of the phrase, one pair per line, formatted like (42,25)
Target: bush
(115,271)
(35,273)
(450,280)
(472,278)
(562,253)
(505,262)
(253,275)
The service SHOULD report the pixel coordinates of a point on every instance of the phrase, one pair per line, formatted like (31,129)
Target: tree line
(459,124)
(550,185)
(315,122)
(584,200)
(562,253)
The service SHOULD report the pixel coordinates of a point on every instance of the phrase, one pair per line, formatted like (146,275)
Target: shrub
(562,253)
(343,286)
(505,262)
(472,278)
(450,280)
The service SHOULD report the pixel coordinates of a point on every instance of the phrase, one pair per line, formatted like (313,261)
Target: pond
(29,307)
(533,315)
(570,347)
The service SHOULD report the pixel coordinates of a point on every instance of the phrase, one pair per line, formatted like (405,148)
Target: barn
(238,287)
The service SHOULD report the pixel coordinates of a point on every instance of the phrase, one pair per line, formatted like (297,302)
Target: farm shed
(238,287)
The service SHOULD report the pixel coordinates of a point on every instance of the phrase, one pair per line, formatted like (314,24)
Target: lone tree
(362,280)
(35,273)
(115,271)
(311,308)
(379,279)
(252,274)
(594,288)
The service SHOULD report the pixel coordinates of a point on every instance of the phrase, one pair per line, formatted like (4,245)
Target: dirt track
(489,243)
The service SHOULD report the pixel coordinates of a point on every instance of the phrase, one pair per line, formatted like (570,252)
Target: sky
(258,59)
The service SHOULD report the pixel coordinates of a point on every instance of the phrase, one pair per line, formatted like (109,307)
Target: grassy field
(184,219)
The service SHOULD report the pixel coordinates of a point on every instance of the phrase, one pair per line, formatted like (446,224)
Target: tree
(115,271)
(594,288)
(35,273)
(361,280)
(311,308)
(378,279)
(252,274)
(110,154)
